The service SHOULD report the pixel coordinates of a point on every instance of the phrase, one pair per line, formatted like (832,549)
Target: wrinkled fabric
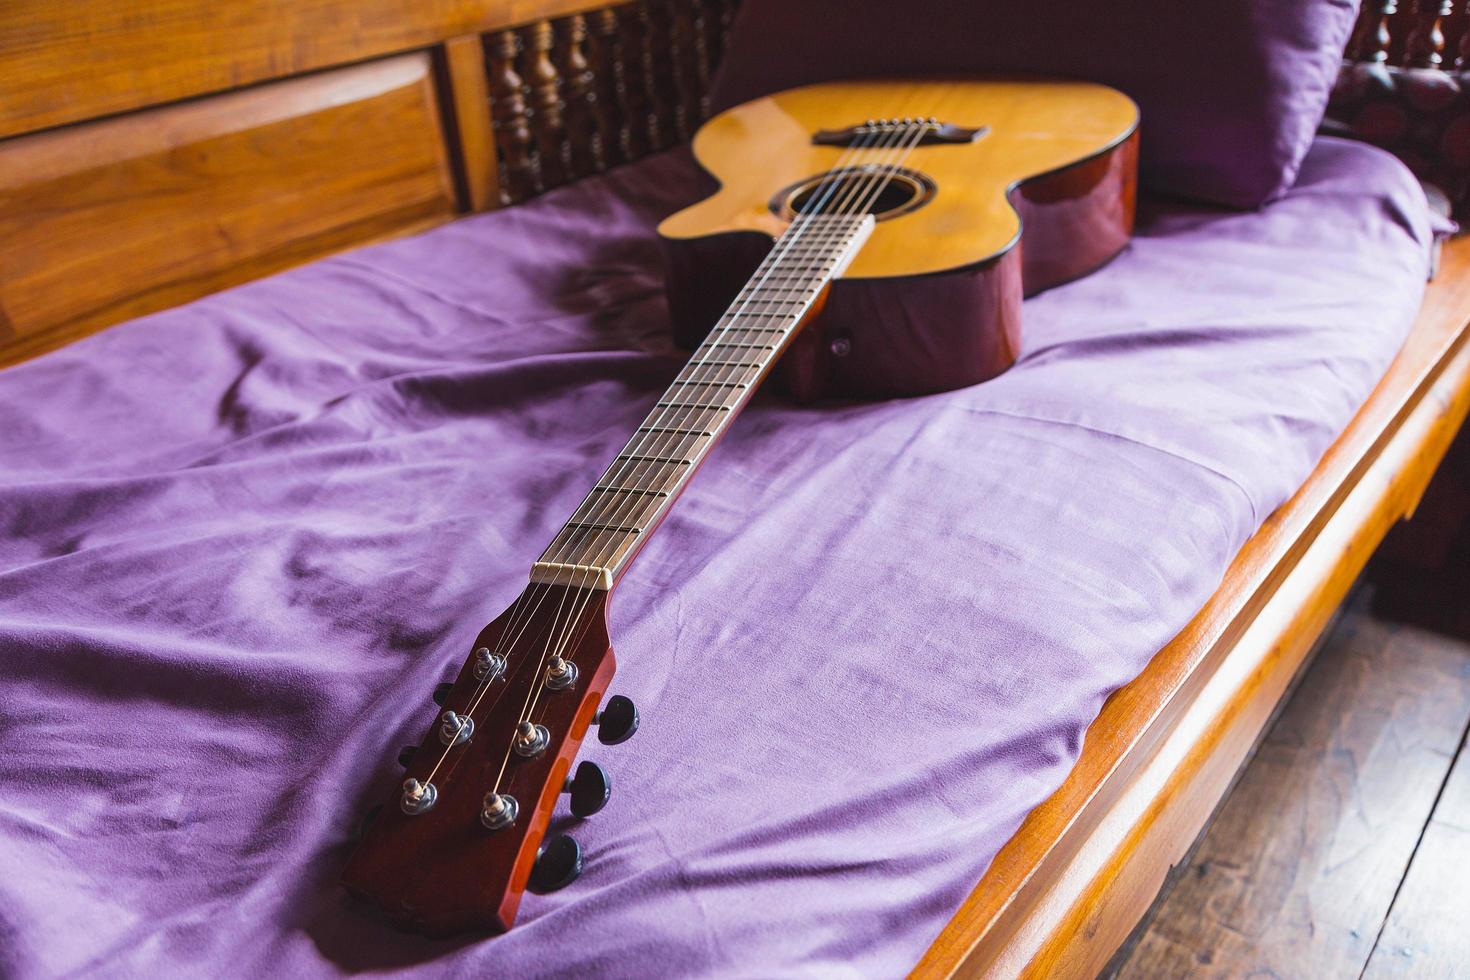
(244,539)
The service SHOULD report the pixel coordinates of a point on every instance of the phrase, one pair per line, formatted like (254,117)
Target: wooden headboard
(153,151)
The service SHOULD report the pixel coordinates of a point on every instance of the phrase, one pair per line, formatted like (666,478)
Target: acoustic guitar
(842,210)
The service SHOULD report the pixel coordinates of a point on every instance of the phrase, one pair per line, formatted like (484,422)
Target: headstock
(455,846)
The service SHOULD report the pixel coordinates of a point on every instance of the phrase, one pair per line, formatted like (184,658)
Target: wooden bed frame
(151,153)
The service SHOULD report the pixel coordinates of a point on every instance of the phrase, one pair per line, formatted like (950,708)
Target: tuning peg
(617,721)
(405,755)
(557,865)
(441,693)
(589,789)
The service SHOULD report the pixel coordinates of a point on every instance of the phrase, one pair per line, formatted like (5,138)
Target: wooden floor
(1344,848)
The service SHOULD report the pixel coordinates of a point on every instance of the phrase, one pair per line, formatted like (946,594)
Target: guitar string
(856,191)
(730,327)
(864,194)
(521,619)
(644,444)
(562,635)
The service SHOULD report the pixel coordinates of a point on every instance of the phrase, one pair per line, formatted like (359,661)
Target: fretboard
(640,485)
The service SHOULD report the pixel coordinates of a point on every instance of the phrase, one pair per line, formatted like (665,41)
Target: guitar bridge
(935,132)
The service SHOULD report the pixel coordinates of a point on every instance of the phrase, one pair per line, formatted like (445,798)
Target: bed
(247,536)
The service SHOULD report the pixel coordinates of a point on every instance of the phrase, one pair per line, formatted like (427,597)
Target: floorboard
(1298,872)
(1428,930)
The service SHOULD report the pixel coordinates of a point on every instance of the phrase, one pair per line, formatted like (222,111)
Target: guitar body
(1044,194)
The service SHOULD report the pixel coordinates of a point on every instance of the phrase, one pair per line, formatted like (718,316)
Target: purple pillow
(1231,91)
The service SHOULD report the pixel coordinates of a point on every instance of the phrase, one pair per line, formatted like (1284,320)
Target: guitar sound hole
(842,192)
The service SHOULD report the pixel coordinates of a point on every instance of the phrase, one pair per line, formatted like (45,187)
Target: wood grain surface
(1428,932)
(464,59)
(65,62)
(111,219)
(1084,866)
(1299,868)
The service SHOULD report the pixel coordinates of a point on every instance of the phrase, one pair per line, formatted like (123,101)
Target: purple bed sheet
(244,539)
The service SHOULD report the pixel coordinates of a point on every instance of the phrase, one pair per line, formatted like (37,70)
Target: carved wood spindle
(1424,47)
(547,120)
(1462,59)
(633,83)
(685,56)
(584,142)
(1371,37)
(706,26)
(605,52)
(657,61)
(721,17)
(512,125)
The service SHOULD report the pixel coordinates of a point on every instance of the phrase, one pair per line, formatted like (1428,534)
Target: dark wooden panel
(1297,872)
(1428,932)
(61,62)
(107,220)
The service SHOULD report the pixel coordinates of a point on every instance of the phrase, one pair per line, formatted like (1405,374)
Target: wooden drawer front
(107,220)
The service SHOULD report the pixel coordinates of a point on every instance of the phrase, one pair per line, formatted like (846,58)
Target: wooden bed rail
(1405,86)
(152,153)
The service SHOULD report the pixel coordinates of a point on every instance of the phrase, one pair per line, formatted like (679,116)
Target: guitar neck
(622,509)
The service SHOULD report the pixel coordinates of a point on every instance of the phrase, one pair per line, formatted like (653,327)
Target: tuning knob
(441,693)
(405,755)
(557,866)
(589,789)
(617,721)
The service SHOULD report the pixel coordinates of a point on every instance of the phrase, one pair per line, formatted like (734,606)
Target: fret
(648,478)
(654,478)
(635,457)
(703,417)
(748,364)
(664,444)
(710,371)
(712,408)
(738,308)
(768,288)
(666,428)
(630,490)
(613,509)
(712,395)
(593,526)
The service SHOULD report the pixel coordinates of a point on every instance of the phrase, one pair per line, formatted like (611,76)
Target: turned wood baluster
(551,165)
(1424,47)
(1462,59)
(584,142)
(610,108)
(721,15)
(656,58)
(1371,36)
(706,50)
(512,126)
(687,41)
(633,82)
